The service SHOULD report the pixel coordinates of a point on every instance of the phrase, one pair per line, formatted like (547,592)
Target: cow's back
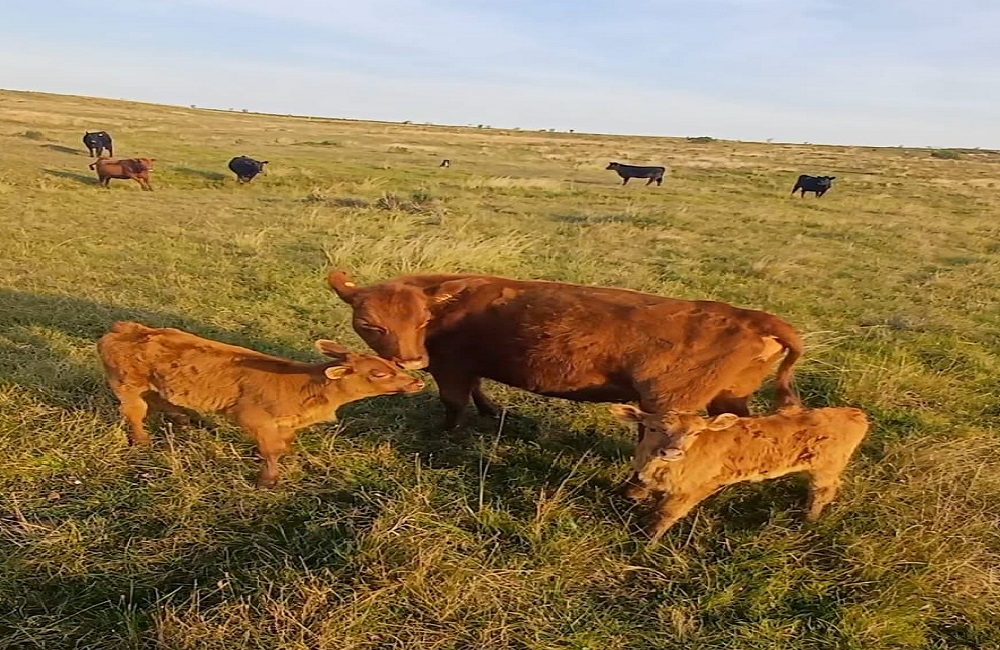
(585,343)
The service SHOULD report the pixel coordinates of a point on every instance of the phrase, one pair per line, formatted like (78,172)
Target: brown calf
(578,342)
(685,458)
(135,168)
(169,370)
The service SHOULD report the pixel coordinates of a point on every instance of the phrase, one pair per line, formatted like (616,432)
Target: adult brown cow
(136,169)
(583,343)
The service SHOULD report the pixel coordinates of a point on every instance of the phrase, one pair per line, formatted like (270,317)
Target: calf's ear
(340,283)
(337,372)
(332,349)
(723,421)
(627,412)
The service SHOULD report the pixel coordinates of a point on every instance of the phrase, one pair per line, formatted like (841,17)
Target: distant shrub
(397,148)
(33,135)
(945,154)
(702,139)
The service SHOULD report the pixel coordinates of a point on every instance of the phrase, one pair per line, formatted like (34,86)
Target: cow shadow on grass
(61,149)
(201,173)
(85,179)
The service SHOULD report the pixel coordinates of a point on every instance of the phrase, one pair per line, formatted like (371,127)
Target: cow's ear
(340,283)
(723,421)
(338,372)
(332,349)
(452,288)
(627,412)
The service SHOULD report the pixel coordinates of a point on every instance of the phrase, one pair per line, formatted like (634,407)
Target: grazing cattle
(97,142)
(816,184)
(684,457)
(633,171)
(169,370)
(445,163)
(246,168)
(136,169)
(582,343)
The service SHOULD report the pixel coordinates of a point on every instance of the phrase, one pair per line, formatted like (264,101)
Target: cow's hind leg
(659,181)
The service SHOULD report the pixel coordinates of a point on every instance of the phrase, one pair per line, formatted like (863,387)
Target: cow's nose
(669,453)
(416,363)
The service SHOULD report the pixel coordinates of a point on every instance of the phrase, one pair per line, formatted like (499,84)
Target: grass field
(383,534)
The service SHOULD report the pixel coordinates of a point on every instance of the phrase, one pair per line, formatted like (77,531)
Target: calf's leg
(134,409)
(823,487)
(273,442)
(673,508)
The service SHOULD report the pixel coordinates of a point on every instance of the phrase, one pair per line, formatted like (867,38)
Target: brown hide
(136,169)
(169,370)
(572,341)
(685,457)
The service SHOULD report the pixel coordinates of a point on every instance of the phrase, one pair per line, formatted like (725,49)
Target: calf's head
(365,374)
(392,317)
(612,165)
(668,435)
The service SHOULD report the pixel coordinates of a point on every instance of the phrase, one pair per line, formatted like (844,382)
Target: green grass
(385,534)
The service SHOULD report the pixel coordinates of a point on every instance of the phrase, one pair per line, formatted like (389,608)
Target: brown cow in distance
(170,370)
(583,343)
(684,457)
(136,169)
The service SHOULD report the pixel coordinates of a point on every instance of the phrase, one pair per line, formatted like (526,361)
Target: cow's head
(262,167)
(668,435)
(613,165)
(146,163)
(392,317)
(365,375)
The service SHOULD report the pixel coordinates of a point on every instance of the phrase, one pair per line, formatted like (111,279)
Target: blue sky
(881,72)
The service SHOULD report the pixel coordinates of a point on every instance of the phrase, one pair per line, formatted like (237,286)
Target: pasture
(386,534)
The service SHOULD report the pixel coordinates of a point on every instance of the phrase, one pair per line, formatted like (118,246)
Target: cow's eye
(424,324)
(374,328)
(378,374)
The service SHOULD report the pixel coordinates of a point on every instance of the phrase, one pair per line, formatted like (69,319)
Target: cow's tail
(785,334)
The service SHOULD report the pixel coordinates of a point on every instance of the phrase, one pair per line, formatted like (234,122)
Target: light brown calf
(685,457)
(169,370)
(135,168)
